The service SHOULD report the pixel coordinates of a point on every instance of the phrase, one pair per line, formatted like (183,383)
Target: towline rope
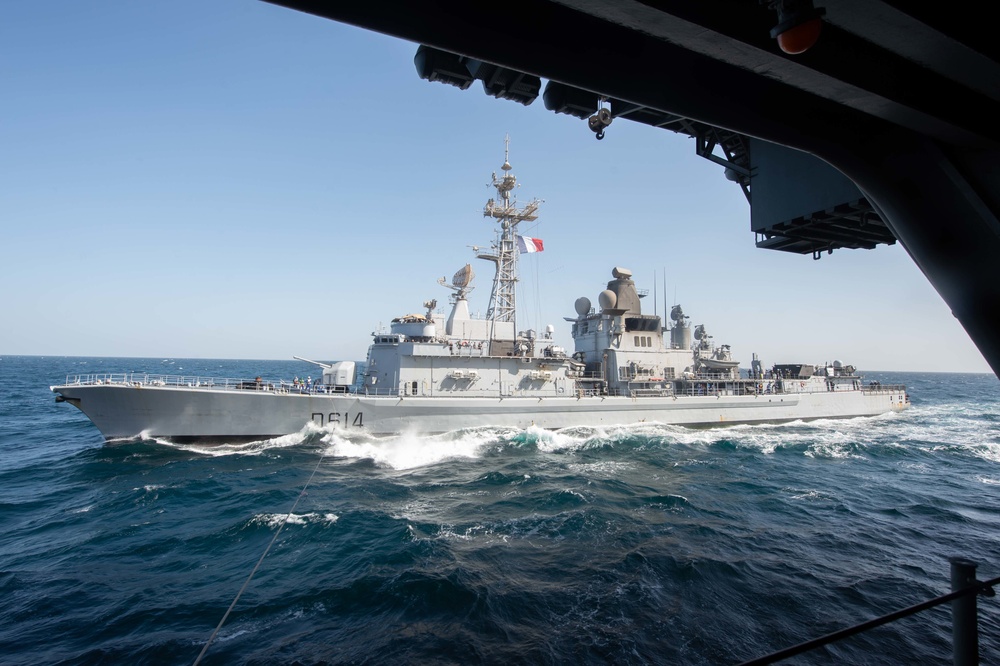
(229,610)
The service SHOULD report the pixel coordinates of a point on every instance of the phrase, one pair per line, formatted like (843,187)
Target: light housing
(799,25)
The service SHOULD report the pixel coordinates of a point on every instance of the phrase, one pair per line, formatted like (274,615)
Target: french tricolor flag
(529,244)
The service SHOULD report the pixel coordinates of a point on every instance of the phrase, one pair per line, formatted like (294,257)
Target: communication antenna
(654,294)
(504,209)
(665,293)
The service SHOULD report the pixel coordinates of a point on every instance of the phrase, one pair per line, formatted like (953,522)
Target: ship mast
(504,209)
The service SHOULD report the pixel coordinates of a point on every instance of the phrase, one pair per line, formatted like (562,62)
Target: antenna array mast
(504,209)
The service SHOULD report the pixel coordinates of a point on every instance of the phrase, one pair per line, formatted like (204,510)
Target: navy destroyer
(432,373)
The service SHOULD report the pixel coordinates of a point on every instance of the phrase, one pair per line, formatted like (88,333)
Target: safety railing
(876,387)
(964,618)
(744,387)
(146,379)
(141,379)
(650,392)
(690,388)
(591,376)
(373,392)
(470,349)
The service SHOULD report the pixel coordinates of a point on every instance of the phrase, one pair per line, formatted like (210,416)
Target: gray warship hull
(135,409)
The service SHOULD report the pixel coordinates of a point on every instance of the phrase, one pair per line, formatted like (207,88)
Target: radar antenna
(704,339)
(461,282)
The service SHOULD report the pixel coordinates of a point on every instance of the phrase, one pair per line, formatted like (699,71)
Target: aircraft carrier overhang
(846,123)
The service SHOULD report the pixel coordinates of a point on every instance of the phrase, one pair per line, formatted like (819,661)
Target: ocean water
(647,544)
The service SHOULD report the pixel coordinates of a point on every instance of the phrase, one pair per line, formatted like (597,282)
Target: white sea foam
(582,437)
(833,438)
(408,450)
(838,445)
(225,637)
(249,448)
(274,520)
(551,441)
(418,511)
(483,535)
(605,468)
(825,438)
(125,440)
(574,493)
(987,451)
(807,495)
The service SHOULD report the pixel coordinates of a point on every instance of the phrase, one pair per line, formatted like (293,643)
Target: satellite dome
(608,299)
(582,305)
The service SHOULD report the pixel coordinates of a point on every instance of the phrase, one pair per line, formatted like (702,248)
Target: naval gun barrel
(322,365)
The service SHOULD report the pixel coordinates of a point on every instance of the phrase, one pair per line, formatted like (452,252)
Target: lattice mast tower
(504,209)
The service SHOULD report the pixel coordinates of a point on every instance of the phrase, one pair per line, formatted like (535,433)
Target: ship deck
(697,386)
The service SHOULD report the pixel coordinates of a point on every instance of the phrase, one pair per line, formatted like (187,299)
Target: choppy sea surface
(643,544)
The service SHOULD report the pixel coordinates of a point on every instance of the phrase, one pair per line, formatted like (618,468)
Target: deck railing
(875,387)
(691,388)
(141,379)
(964,619)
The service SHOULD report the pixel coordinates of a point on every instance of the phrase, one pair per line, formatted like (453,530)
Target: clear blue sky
(234,179)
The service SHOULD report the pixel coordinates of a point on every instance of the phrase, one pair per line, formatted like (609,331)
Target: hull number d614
(336,419)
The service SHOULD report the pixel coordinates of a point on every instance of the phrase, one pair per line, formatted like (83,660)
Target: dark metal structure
(884,129)
(965,589)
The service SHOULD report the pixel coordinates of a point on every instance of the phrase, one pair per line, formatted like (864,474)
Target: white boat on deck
(433,372)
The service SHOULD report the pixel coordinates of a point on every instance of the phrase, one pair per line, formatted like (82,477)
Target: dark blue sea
(634,545)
